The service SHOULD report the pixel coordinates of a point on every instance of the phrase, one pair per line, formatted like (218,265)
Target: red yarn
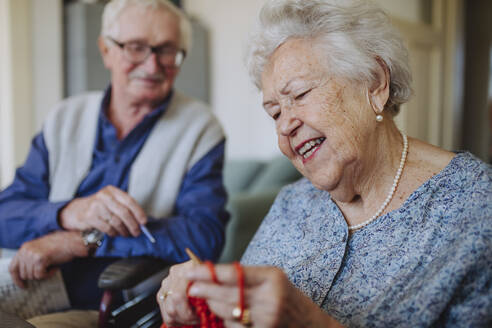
(206,317)
(240,283)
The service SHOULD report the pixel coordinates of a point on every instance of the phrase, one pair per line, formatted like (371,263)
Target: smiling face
(148,81)
(322,122)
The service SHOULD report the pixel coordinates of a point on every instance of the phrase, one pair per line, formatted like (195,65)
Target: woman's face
(320,120)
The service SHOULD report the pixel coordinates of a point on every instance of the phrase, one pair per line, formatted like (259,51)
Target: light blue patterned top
(428,263)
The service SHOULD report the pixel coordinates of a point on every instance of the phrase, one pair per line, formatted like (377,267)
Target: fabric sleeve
(471,303)
(198,222)
(25,211)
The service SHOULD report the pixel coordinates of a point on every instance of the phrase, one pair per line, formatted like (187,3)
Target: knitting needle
(195,260)
(192,256)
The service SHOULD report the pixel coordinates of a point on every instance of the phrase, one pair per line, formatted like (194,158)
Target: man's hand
(110,210)
(35,258)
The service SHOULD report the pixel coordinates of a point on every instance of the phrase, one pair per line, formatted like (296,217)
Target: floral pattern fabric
(428,263)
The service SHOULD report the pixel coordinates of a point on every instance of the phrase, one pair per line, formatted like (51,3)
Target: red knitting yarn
(240,283)
(207,318)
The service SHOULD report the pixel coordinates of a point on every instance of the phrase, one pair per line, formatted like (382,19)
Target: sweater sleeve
(198,222)
(25,211)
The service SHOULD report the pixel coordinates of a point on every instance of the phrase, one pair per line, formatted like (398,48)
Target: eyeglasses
(138,52)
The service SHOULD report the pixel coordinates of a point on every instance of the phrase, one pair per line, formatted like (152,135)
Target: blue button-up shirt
(197,222)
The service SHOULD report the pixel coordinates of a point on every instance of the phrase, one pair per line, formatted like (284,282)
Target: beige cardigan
(180,138)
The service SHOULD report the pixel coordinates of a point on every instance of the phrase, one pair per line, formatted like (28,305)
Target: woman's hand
(270,297)
(172,298)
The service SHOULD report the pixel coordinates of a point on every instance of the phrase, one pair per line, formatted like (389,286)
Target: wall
(84,69)
(47,57)
(476,121)
(234,99)
(15,93)
(5,95)
(31,75)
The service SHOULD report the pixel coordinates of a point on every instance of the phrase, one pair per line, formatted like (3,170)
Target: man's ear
(104,50)
(379,90)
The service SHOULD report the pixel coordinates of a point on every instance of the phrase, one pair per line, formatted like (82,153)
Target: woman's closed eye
(302,94)
(273,110)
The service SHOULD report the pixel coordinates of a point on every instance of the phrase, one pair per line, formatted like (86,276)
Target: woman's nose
(288,123)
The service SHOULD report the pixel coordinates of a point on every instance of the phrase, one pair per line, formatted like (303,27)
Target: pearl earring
(379,118)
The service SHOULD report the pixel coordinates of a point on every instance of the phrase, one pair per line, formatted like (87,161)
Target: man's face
(149,81)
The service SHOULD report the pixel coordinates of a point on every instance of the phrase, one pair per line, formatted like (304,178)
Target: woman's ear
(104,50)
(379,90)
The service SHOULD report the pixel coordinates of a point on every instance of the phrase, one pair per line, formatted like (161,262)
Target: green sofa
(252,186)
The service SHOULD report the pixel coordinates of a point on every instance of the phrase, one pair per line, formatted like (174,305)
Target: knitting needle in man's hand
(147,233)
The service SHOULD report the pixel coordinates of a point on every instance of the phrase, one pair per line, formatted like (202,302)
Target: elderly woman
(385,230)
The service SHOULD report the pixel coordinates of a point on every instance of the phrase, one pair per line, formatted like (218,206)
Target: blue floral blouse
(428,263)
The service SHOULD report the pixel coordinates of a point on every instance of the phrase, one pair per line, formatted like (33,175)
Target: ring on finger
(237,313)
(246,319)
(242,315)
(162,297)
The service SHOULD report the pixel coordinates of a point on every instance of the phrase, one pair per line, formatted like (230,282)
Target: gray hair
(355,36)
(115,7)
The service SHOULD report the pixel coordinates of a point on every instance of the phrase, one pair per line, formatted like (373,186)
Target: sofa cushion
(247,212)
(238,174)
(277,173)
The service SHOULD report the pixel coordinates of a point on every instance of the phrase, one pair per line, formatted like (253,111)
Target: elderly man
(107,164)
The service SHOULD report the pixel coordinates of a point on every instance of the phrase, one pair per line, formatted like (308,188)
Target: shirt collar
(153,115)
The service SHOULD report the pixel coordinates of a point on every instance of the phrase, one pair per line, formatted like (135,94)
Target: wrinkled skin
(109,210)
(36,259)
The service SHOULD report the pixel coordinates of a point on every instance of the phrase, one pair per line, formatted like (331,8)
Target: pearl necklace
(393,187)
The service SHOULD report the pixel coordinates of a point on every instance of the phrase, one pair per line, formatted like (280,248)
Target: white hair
(114,8)
(354,35)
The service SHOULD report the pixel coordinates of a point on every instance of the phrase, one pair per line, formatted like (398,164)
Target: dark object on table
(8,320)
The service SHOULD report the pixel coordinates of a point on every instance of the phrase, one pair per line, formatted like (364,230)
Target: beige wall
(411,10)
(15,94)
(47,51)
(233,97)
(31,74)
(5,95)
